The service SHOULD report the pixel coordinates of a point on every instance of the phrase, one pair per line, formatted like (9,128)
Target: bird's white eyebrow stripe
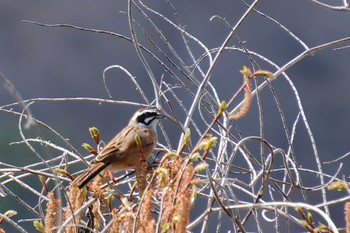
(146,117)
(147,120)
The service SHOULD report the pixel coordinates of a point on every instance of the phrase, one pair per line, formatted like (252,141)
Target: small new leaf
(222,108)
(208,142)
(63,172)
(10,213)
(109,201)
(195,157)
(176,219)
(300,211)
(194,193)
(323,228)
(95,134)
(337,185)
(170,155)
(163,171)
(39,226)
(185,141)
(309,217)
(43,183)
(264,73)
(304,223)
(89,149)
(201,167)
(165,228)
(246,73)
(187,137)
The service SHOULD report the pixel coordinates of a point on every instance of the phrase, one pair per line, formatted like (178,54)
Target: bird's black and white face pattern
(147,117)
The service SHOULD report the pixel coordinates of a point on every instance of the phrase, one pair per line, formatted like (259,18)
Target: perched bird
(123,152)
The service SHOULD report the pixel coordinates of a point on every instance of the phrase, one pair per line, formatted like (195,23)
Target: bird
(123,151)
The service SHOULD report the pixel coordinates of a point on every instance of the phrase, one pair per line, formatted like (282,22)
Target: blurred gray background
(62,62)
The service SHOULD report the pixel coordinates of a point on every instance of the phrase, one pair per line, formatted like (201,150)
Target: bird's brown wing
(115,148)
(123,152)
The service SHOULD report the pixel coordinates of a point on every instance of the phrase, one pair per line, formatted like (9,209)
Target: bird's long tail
(83,179)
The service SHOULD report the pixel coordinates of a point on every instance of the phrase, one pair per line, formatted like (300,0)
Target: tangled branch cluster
(217,175)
